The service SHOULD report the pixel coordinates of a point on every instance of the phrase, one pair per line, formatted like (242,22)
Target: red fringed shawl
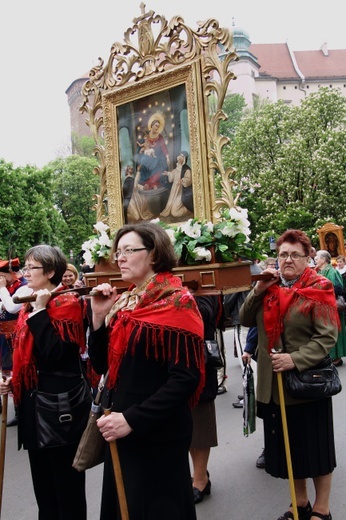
(65,313)
(164,306)
(311,292)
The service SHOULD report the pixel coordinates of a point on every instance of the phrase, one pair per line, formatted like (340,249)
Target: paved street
(240,491)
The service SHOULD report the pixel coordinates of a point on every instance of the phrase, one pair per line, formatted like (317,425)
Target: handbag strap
(219,334)
(100,388)
(60,374)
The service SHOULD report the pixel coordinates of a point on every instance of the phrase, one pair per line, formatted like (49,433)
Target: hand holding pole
(118,477)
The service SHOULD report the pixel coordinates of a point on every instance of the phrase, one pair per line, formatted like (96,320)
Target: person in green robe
(325,268)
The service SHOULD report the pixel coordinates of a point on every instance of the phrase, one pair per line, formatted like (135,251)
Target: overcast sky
(46,45)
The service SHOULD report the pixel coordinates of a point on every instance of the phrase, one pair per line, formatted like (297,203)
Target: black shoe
(240,397)
(338,362)
(221,390)
(239,404)
(199,495)
(13,422)
(304,513)
(261,461)
(321,516)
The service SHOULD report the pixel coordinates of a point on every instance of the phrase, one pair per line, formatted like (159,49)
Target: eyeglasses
(29,268)
(271,265)
(127,252)
(293,256)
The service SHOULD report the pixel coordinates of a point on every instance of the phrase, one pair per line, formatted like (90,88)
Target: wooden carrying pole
(118,477)
(287,445)
(80,291)
(3,443)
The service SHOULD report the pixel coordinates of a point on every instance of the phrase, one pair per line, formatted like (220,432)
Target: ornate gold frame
(187,76)
(165,54)
(335,231)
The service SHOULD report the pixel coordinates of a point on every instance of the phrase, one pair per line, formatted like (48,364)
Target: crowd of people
(160,394)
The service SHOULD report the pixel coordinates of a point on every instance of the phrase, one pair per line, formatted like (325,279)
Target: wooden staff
(265,277)
(80,291)
(287,445)
(118,477)
(3,442)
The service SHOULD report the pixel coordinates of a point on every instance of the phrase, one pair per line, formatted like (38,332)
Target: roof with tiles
(315,64)
(275,61)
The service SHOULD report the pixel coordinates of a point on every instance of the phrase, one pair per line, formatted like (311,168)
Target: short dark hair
(155,239)
(51,258)
(294,236)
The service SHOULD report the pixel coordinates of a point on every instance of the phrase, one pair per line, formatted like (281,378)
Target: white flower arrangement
(98,246)
(229,236)
(192,240)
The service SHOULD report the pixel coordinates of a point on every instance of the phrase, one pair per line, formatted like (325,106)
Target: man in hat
(11,282)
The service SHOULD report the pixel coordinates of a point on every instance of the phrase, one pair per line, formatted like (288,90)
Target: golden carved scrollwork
(151,47)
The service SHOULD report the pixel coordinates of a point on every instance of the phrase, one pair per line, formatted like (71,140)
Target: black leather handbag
(61,418)
(317,382)
(213,354)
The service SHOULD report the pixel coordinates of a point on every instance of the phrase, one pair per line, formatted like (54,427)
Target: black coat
(59,488)
(52,354)
(153,394)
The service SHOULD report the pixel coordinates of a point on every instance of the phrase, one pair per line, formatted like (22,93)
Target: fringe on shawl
(155,346)
(324,311)
(27,376)
(69,329)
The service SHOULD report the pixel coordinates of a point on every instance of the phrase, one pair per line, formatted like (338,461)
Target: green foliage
(233,107)
(290,165)
(74,187)
(82,145)
(53,205)
(27,214)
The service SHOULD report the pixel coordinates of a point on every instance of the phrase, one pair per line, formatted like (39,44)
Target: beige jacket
(305,337)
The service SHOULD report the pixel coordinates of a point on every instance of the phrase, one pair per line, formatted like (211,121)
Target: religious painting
(156,152)
(154,108)
(332,239)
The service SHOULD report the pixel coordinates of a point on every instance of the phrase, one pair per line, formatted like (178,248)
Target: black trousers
(59,488)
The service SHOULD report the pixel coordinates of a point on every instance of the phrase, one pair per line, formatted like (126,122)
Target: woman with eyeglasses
(297,320)
(151,339)
(48,340)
